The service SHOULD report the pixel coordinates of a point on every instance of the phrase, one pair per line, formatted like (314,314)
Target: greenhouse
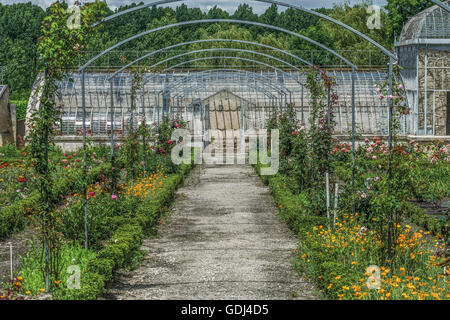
(178,93)
(205,155)
(424,52)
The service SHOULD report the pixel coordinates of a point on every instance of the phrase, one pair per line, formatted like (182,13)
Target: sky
(205,5)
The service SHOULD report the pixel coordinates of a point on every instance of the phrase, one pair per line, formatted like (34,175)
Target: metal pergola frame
(202,21)
(179,88)
(254,75)
(441,4)
(236,58)
(205,41)
(198,59)
(284,4)
(392,58)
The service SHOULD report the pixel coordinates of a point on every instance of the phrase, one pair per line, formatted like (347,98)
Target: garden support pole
(157,106)
(303,115)
(113,180)
(353,137)
(327,187)
(11,258)
(144,122)
(336,195)
(132,112)
(46,201)
(391,67)
(83,104)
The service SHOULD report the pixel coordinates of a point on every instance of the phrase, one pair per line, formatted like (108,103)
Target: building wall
(6,135)
(434,62)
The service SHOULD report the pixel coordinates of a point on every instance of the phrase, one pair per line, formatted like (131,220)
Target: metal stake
(83,101)
(11,259)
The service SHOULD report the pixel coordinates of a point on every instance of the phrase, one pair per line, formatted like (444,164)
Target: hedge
(126,239)
(324,268)
(13,218)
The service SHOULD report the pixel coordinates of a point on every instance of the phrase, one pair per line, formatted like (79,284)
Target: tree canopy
(20,30)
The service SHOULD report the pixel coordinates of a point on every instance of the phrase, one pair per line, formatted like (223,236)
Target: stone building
(8,122)
(424,53)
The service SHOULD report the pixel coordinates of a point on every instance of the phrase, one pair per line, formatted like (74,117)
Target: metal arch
(266,87)
(281,3)
(203,85)
(441,4)
(209,40)
(177,89)
(215,21)
(193,88)
(237,58)
(225,49)
(254,76)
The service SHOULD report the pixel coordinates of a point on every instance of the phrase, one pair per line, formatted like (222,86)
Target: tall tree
(400,11)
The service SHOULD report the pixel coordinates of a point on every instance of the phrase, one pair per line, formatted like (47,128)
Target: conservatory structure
(424,53)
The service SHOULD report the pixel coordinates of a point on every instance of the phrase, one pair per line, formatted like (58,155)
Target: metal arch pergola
(284,4)
(112,97)
(441,4)
(248,73)
(83,68)
(264,80)
(238,58)
(179,24)
(178,85)
(360,34)
(209,40)
(353,67)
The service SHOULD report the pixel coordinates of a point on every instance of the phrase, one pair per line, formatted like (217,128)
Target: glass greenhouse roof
(432,23)
(266,90)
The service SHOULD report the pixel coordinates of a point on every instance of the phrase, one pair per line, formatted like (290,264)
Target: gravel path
(222,240)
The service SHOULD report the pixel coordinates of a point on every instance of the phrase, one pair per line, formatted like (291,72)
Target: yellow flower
(338,277)
(42,290)
(27,293)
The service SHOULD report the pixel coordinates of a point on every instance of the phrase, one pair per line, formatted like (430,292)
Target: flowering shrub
(417,274)
(106,211)
(16,182)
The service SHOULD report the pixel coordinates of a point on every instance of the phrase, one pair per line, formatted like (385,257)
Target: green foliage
(71,255)
(20,31)
(13,218)
(21,108)
(399,11)
(122,249)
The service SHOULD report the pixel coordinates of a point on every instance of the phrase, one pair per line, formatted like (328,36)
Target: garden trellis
(111,177)
(117,93)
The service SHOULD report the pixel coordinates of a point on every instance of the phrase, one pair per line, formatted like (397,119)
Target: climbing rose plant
(60,47)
